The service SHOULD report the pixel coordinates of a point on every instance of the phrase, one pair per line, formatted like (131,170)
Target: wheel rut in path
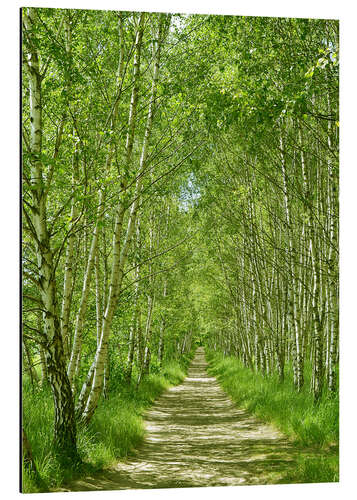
(196,436)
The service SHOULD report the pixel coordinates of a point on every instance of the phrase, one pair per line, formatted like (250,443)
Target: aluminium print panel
(179,250)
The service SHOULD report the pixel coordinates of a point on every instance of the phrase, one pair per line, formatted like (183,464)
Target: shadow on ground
(197,437)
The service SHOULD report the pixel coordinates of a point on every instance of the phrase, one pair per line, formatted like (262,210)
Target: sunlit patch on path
(197,437)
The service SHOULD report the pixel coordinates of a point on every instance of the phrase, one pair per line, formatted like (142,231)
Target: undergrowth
(115,429)
(309,425)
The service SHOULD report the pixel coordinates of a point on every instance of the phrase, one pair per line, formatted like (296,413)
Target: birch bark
(96,370)
(120,258)
(64,425)
(298,361)
(74,361)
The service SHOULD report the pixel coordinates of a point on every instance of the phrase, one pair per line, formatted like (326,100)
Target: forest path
(197,437)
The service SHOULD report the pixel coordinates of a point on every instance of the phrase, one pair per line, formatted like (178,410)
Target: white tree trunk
(119,259)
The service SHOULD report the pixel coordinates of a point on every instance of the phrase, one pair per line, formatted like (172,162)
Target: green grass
(116,427)
(295,414)
(323,469)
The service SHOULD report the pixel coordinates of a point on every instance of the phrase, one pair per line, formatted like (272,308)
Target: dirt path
(197,437)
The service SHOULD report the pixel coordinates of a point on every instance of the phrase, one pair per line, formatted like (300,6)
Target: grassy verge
(116,428)
(308,425)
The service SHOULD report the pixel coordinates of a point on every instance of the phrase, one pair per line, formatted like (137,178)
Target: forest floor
(196,436)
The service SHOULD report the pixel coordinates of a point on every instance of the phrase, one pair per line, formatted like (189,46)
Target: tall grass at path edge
(115,429)
(295,414)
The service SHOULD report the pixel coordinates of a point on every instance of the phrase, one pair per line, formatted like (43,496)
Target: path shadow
(197,437)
